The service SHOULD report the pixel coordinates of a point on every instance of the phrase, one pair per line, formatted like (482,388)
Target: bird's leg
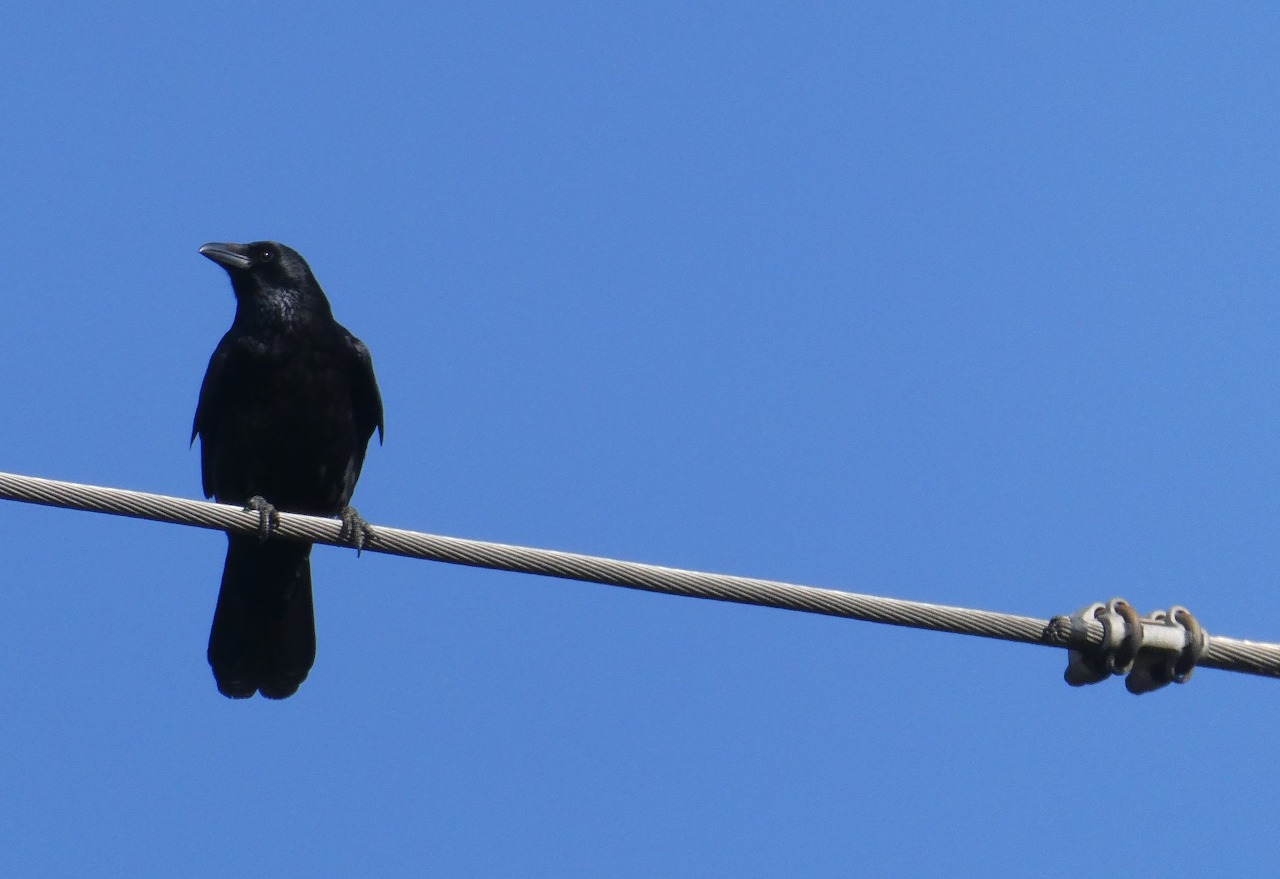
(355,530)
(268,516)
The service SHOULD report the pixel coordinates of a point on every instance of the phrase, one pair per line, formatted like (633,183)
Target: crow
(287,408)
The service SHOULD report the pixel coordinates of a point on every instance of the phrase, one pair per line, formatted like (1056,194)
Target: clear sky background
(968,303)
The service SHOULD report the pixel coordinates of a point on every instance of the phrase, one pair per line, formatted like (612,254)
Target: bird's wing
(367,400)
(209,412)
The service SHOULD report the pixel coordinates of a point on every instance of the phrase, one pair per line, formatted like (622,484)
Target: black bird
(286,410)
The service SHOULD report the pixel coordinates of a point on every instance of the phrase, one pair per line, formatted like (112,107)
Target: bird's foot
(268,516)
(355,530)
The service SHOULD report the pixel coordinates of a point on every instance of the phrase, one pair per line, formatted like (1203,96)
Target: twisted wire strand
(1228,654)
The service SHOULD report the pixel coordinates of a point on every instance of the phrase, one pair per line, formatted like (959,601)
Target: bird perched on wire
(286,411)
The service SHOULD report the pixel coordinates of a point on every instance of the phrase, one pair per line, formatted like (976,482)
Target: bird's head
(268,277)
(268,263)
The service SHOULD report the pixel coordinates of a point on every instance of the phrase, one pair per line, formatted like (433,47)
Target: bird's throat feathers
(278,308)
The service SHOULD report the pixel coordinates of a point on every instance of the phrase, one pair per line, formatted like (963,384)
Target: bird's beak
(229,256)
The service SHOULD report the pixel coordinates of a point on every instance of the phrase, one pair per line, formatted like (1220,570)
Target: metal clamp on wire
(1151,652)
(1175,643)
(1121,642)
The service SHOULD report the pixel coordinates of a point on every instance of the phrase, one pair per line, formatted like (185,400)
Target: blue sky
(967,303)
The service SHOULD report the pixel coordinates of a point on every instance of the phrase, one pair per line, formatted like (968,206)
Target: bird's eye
(266,255)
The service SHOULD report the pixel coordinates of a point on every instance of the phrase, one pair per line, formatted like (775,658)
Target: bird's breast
(290,435)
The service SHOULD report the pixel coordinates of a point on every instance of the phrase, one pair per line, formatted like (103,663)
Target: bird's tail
(264,631)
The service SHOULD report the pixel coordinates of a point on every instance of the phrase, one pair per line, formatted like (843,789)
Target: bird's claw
(355,530)
(268,516)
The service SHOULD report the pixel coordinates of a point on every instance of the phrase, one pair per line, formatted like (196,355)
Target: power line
(1086,633)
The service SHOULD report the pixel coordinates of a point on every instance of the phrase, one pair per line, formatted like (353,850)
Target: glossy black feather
(286,410)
